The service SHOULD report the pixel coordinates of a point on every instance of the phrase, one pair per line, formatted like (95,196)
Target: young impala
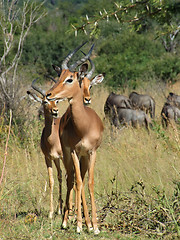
(50,141)
(80,135)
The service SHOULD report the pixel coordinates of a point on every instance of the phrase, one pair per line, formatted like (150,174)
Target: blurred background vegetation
(125,54)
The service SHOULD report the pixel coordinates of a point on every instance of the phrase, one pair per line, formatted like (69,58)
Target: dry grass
(125,158)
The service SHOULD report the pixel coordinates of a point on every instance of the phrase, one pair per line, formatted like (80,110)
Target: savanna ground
(137,179)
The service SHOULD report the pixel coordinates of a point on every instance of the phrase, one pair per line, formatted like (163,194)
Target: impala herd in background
(75,136)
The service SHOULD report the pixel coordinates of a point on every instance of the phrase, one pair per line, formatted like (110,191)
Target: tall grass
(137,180)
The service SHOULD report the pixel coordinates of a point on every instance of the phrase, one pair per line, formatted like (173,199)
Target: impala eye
(69,80)
(46,102)
(90,87)
(57,101)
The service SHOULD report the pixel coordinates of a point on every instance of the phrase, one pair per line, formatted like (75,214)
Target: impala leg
(70,183)
(78,189)
(70,213)
(75,205)
(91,190)
(84,168)
(51,185)
(59,174)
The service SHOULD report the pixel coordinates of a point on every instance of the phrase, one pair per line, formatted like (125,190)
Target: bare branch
(30,14)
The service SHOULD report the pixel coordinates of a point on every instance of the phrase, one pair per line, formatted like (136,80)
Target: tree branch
(31,13)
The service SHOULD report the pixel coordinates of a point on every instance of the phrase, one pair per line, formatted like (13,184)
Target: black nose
(48,97)
(87,100)
(54,112)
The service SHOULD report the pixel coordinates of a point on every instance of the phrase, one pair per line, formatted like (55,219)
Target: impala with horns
(143,102)
(80,136)
(50,141)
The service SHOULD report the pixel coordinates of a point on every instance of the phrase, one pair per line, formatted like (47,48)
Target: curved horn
(82,60)
(53,79)
(69,56)
(37,88)
(90,73)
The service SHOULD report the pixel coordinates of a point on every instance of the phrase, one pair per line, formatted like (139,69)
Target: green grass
(137,182)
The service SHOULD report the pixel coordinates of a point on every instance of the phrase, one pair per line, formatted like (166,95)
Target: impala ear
(97,79)
(83,70)
(34,97)
(57,69)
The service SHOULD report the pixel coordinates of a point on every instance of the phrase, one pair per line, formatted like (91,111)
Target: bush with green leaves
(128,56)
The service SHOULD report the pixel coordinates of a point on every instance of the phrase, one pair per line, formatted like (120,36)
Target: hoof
(79,230)
(96,231)
(64,225)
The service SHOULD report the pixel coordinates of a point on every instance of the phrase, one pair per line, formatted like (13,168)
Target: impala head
(50,107)
(86,81)
(70,80)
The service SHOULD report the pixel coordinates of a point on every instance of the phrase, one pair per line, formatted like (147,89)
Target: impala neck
(50,123)
(79,114)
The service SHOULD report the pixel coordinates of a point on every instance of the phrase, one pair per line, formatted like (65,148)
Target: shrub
(128,57)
